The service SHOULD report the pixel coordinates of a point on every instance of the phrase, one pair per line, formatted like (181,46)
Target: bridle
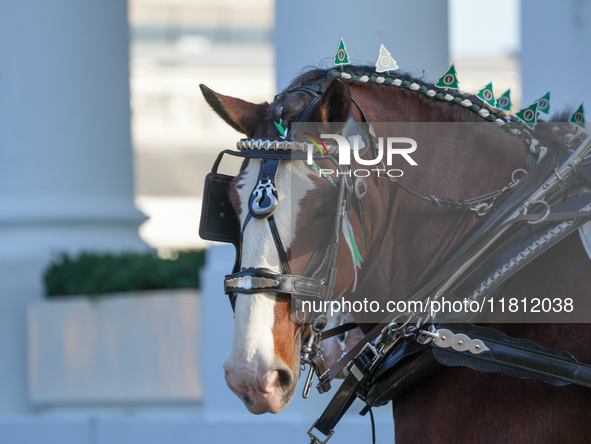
(220,223)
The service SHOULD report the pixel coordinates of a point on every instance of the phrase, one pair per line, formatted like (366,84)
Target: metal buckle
(314,439)
(354,370)
(373,350)
(360,188)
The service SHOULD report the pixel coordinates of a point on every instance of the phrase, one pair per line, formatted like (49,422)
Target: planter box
(128,348)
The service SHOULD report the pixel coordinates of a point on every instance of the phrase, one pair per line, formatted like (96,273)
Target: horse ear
(241,115)
(335,105)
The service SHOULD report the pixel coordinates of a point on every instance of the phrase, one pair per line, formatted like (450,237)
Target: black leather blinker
(219,221)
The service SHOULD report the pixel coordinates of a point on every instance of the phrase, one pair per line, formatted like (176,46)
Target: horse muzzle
(267,391)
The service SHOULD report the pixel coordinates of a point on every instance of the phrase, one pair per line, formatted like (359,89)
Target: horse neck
(409,236)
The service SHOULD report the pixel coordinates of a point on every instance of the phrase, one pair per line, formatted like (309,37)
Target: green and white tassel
(347,230)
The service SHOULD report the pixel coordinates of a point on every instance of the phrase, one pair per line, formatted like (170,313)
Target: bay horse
(456,405)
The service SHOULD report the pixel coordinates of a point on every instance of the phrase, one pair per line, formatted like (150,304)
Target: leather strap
(306,113)
(350,355)
(285,268)
(326,334)
(346,393)
(320,369)
(338,405)
(286,283)
(361,210)
(515,357)
(320,249)
(552,217)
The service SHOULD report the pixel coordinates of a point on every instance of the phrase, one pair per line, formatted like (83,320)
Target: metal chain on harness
(480,205)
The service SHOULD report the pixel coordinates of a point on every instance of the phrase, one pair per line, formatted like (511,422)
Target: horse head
(263,365)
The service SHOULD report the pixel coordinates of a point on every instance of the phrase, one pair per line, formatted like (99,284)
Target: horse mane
(553,138)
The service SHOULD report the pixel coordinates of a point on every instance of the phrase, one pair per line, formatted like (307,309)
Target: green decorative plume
(544,104)
(529,115)
(504,102)
(347,229)
(385,61)
(280,129)
(487,96)
(449,79)
(341,57)
(578,118)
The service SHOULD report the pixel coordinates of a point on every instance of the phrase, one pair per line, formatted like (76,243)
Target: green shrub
(91,274)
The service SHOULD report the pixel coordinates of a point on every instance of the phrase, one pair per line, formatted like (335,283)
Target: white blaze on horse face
(252,352)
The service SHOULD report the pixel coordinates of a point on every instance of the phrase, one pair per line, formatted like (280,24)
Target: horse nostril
(285,379)
(247,399)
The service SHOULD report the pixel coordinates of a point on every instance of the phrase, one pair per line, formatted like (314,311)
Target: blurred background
(113,325)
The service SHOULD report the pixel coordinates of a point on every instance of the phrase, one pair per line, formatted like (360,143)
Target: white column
(66,181)
(308,32)
(556,53)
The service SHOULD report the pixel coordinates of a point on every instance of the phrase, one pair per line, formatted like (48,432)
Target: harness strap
(258,280)
(350,355)
(321,248)
(320,369)
(311,90)
(520,358)
(336,408)
(306,112)
(551,217)
(232,295)
(361,212)
(359,190)
(421,294)
(458,344)
(343,328)
(282,256)
(345,395)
